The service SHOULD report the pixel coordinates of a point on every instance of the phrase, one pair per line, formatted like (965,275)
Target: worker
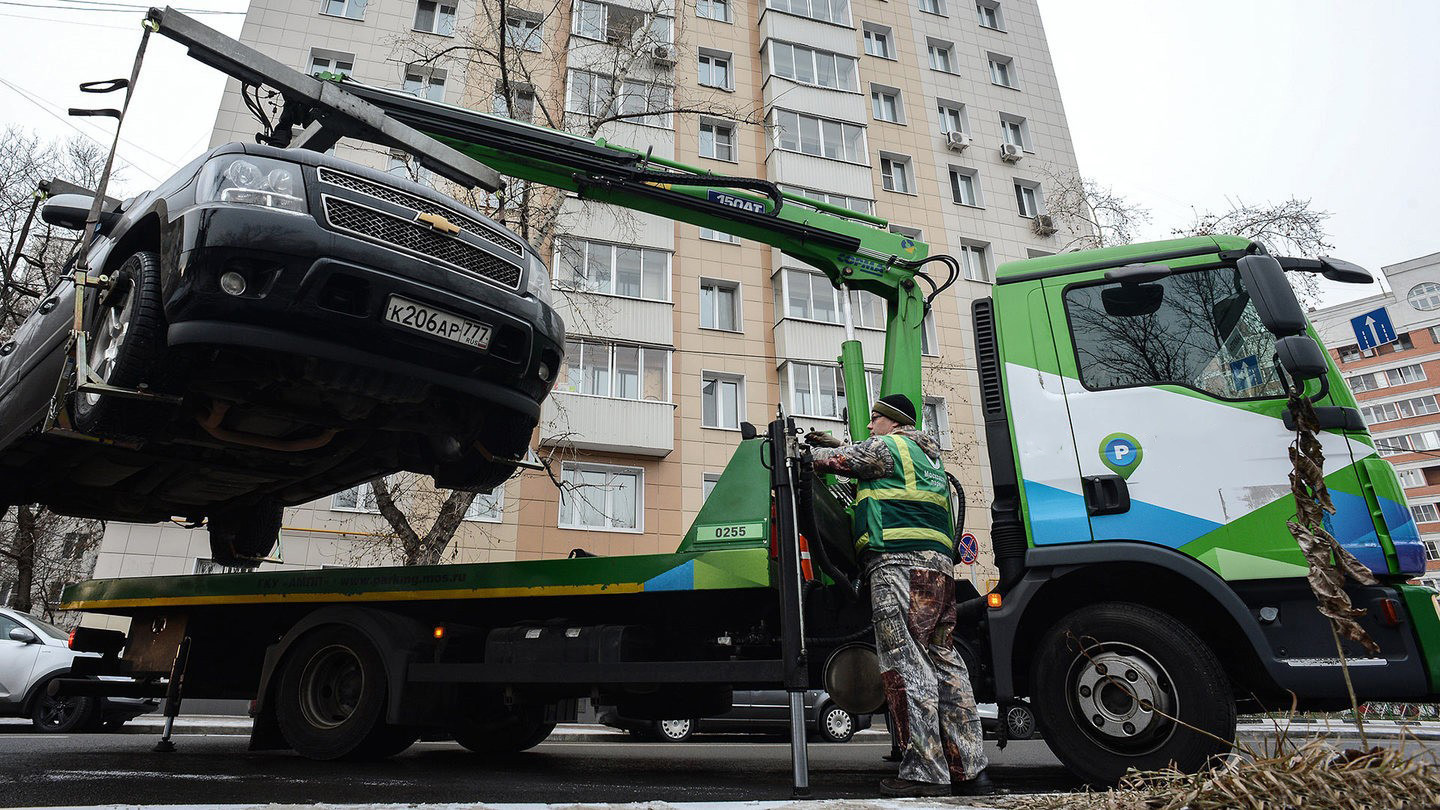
(904,533)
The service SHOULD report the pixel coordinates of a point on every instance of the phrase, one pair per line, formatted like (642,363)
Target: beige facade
(857,105)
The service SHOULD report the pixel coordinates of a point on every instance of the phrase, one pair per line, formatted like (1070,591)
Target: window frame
(612,374)
(1434,509)
(879,92)
(861,155)
(715,126)
(906,166)
(812,380)
(852,73)
(712,4)
(936,7)
(946,48)
(498,494)
(425,79)
(363,491)
(714,56)
(720,377)
(438,15)
(638,473)
(611,107)
(333,60)
(567,240)
(954,172)
(961,117)
(982,250)
(1037,198)
(535,34)
(1016,124)
(773,5)
(1010,71)
(941,428)
(736,310)
(993,6)
(345,15)
(885,34)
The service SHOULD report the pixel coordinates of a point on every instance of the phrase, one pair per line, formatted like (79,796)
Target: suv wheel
(1019,722)
(674,730)
(126,335)
(62,715)
(836,725)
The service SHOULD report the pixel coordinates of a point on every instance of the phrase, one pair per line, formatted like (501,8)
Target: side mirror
(1132,300)
(71,210)
(1301,357)
(23,635)
(1275,301)
(1343,271)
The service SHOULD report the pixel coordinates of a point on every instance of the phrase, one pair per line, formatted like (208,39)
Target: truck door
(1176,409)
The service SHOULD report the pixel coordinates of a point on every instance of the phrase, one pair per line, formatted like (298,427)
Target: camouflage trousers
(926,685)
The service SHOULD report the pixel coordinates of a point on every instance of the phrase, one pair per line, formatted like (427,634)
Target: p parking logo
(1122,453)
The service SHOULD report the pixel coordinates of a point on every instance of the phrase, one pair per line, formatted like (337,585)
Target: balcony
(820,342)
(616,318)
(634,427)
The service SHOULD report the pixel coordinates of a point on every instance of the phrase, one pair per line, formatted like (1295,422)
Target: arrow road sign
(1373,329)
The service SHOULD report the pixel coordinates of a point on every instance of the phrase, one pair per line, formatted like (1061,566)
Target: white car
(32,653)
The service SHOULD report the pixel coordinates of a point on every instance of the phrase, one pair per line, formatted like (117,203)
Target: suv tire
(126,336)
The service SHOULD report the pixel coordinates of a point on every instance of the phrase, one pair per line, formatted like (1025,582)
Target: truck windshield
(1197,329)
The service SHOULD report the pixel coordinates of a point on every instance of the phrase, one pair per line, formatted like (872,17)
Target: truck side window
(1197,329)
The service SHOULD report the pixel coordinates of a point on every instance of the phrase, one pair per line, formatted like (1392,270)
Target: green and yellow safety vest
(909,508)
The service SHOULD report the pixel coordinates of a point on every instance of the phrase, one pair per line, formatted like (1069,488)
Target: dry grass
(1316,777)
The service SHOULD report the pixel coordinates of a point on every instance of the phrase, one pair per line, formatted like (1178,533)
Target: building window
(630,272)
(808,295)
(718,10)
(974,260)
(722,400)
(1002,71)
(1424,297)
(821,137)
(929,341)
(1432,549)
(322,61)
(877,41)
(817,391)
(810,66)
(521,105)
(836,11)
(205,565)
(593,94)
(435,18)
(867,310)
(942,55)
(524,31)
(1424,441)
(935,420)
(712,235)
(885,104)
(1015,131)
(707,485)
(613,370)
(720,305)
(359,498)
(1349,354)
(486,508)
(1405,375)
(354,9)
(952,117)
(620,24)
(989,15)
(933,6)
(1401,409)
(425,83)
(895,174)
(600,496)
(717,140)
(965,186)
(858,204)
(715,70)
(1403,343)
(1027,198)
(1411,478)
(1425,513)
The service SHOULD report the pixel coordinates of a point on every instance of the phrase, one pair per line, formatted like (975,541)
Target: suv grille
(487,232)
(415,238)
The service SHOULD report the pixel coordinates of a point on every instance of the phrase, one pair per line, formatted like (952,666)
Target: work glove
(816,438)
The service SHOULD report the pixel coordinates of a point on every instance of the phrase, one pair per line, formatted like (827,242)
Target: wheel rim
(1120,696)
(55,712)
(330,686)
(1020,721)
(109,338)
(838,723)
(675,729)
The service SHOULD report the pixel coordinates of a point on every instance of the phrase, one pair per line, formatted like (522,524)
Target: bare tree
(40,553)
(1291,228)
(1090,215)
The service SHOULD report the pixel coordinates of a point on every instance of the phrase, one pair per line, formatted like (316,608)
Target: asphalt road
(91,769)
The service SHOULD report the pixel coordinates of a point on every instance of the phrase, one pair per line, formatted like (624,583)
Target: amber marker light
(440,632)
(993,600)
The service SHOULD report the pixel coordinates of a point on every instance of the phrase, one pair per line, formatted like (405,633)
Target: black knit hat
(897,407)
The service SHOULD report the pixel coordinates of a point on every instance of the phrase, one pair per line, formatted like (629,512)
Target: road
(91,769)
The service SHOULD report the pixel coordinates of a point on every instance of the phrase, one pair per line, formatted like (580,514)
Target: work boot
(896,787)
(978,785)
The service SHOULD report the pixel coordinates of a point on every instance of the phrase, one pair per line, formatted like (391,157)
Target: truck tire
(1113,705)
(332,697)
(242,537)
(63,715)
(518,729)
(126,338)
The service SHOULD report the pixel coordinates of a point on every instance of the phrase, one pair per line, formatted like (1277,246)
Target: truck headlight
(250,180)
(537,278)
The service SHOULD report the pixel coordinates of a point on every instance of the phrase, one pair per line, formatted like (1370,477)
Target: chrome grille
(394,195)
(413,237)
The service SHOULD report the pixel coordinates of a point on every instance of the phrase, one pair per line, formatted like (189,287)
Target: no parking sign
(968,551)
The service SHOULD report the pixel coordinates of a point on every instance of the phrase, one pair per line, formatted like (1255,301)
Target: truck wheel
(126,339)
(836,725)
(242,537)
(331,702)
(62,715)
(1119,685)
(515,730)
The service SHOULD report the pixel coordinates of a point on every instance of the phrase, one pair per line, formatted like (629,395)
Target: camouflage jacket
(870,458)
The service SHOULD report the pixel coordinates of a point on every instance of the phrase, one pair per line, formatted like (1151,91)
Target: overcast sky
(1175,105)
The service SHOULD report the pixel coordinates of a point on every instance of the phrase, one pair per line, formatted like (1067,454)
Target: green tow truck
(1136,421)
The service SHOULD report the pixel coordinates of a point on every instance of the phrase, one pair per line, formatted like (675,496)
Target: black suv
(313,323)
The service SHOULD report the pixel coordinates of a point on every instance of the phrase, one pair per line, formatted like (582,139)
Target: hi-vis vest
(908,509)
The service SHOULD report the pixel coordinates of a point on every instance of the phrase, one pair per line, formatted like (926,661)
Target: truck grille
(413,237)
(490,233)
(987,353)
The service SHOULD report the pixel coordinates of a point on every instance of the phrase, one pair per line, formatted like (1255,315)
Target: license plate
(437,323)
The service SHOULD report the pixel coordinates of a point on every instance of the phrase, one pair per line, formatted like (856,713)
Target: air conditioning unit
(1042,225)
(1011,153)
(956,141)
(663,55)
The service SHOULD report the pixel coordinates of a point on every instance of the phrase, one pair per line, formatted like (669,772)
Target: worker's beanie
(897,407)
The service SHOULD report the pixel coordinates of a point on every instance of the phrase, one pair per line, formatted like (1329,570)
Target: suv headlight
(249,180)
(537,278)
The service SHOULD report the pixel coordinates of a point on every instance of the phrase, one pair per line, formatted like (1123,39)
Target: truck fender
(397,638)
(1045,565)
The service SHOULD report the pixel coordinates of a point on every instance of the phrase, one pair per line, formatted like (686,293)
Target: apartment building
(943,117)
(1397,385)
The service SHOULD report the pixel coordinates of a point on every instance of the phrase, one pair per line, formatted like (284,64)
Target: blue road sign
(1373,329)
(1246,373)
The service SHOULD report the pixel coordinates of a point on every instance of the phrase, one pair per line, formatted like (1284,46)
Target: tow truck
(1137,426)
